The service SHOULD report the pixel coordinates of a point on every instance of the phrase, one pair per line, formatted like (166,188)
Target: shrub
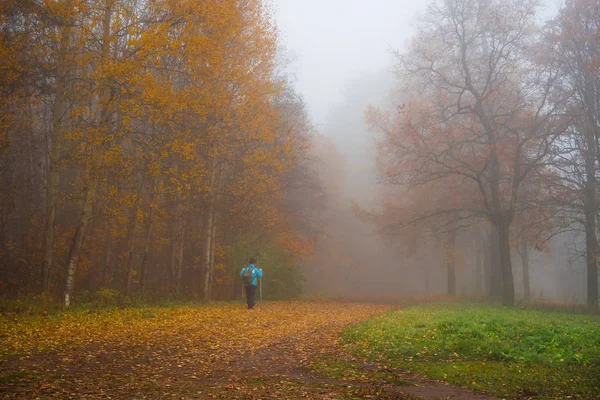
(106,298)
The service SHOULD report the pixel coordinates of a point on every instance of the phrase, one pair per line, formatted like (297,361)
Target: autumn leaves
(134,352)
(161,133)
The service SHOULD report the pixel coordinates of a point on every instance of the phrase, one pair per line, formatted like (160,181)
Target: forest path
(286,350)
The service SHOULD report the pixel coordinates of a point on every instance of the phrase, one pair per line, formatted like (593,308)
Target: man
(250,275)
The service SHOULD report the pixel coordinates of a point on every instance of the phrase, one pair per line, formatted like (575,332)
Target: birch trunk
(77,244)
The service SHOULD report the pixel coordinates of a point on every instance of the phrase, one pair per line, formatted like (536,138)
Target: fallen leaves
(123,352)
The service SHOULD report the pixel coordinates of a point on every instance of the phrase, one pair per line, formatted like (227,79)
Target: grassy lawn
(507,352)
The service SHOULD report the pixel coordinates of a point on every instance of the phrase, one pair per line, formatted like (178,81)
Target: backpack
(248,275)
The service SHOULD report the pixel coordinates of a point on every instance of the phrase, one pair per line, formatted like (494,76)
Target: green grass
(507,352)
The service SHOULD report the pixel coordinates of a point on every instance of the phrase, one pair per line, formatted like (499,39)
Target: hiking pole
(242,298)
(260,290)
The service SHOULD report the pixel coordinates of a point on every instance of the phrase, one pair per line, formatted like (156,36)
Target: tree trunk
(51,190)
(496,281)
(508,287)
(144,267)
(524,253)
(208,248)
(93,164)
(451,262)
(590,209)
(107,269)
(478,262)
(487,262)
(58,113)
(591,259)
(210,230)
(212,257)
(77,244)
(131,255)
(177,254)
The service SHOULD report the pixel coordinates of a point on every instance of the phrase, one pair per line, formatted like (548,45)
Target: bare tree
(480,115)
(572,44)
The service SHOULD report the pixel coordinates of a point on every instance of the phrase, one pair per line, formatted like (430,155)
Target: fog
(344,63)
(336,41)
(351,148)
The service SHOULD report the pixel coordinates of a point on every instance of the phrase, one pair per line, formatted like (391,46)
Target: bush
(106,298)
(34,305)
(84,297)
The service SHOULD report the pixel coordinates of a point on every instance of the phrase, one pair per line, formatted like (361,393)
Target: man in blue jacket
(250,275)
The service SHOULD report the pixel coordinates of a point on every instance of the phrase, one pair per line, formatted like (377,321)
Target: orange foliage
(175,137)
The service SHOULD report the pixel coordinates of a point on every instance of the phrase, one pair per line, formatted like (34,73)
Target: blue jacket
(256,273)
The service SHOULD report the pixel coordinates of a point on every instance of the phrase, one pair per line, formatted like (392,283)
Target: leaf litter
(214,351)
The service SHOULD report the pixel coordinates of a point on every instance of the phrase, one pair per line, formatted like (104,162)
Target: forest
(242,199)
(149,148)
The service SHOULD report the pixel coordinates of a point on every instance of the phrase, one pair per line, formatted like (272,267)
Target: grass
(345,370)
(507,352)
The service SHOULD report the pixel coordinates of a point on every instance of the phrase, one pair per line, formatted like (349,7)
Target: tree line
(148,146)
(494,136)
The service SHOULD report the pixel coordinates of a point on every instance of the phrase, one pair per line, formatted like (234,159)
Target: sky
(336,40)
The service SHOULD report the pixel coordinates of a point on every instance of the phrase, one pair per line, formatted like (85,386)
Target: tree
(479,114)
(572,44)
(161,132)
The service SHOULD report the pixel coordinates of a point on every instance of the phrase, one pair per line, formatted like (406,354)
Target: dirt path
(276,353)
(292,361)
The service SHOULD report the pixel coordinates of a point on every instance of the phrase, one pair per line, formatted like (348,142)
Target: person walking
(250,274)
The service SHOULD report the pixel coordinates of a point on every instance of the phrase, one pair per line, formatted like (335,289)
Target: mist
(350,148)
(344,64)
(337,41)
(291,199)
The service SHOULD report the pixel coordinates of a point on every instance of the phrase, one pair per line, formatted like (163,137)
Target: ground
(286,350)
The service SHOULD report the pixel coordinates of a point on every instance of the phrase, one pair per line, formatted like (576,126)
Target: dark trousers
(251,295)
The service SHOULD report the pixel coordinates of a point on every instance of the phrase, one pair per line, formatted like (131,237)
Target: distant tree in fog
(572,45)
(477,117)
